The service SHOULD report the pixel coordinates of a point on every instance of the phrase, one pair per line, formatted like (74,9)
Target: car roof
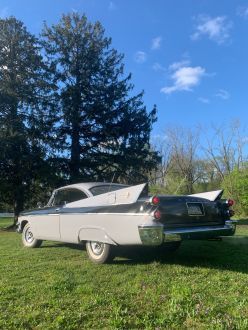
(89,185)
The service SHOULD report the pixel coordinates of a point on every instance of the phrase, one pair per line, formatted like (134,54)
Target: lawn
(204,285)
(5,222)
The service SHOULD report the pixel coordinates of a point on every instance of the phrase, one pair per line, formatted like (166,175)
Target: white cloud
(177,65)
(156,43)
(158,67)
(140,57)
(216,29)
(184,77)
(4,12)
(203,100)
(243,12)
(223,94)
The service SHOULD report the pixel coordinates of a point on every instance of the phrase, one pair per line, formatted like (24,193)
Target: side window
(68,196)
(74,195)
(59,198)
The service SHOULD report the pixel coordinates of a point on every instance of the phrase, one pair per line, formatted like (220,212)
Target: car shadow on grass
(231,253)
(49,245)
(223,255)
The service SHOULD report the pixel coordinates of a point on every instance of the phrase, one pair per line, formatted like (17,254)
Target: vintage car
(106,215)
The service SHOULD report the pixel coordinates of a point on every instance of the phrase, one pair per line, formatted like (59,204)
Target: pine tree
(23,115)
(105,129)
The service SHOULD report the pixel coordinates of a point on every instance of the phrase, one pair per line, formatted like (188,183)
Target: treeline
(68,112)
(204,159)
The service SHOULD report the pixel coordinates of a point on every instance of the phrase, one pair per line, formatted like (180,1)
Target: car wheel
(28,239)
(99,253)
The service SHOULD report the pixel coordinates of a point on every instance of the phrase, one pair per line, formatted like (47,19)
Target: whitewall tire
(99,253)
(28,238)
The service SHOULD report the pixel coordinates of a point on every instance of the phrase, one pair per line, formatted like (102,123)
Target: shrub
(236,186)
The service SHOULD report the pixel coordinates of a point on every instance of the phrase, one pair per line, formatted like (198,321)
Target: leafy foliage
(103,129)
(236,185)
(23,112)
(188,166)
(67,112)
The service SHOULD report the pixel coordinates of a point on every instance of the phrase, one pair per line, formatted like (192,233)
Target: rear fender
(95,234)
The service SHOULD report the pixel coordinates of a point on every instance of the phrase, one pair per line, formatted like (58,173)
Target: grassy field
(4,222)
(204,285)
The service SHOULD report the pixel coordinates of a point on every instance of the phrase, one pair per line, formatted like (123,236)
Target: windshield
(98,190)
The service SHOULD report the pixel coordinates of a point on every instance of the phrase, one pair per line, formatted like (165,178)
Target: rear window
(98,190)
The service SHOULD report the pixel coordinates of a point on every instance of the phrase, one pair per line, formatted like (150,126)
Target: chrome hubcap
(97,248)
(29,236)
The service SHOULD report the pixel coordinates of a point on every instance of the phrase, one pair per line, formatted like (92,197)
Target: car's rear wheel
(99,253)
(28,238)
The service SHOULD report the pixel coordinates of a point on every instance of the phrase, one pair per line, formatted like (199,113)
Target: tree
(102,129)
(226,149)
(164,148)
(184,145)
(235,185)
(180,167)
(23,112)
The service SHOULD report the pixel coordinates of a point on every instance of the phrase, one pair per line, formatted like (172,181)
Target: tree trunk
(75,136)
(75,155)
(18,200)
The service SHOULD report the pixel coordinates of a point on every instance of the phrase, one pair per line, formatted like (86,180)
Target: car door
(69,217)
(46,223)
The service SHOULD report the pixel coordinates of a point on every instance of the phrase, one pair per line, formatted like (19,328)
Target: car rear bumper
(205,232)
(156,235)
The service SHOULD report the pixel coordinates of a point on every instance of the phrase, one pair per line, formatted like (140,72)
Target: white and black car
(105,215)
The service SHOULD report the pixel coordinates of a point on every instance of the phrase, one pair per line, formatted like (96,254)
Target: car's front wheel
(99,253)
(28,238)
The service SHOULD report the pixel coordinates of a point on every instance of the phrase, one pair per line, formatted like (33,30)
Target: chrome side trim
(110,213)
(82,213)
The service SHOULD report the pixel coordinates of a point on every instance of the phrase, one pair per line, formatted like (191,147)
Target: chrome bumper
(151,235)
(156,235)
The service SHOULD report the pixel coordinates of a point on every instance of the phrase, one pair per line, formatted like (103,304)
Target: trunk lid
(188,211)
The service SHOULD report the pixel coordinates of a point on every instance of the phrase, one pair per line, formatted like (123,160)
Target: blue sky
(190,57)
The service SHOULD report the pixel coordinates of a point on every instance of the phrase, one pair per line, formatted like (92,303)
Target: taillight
(154,200)
(230,202)
(157,214)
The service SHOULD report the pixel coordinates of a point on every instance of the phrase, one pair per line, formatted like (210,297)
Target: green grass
(204,285)
(5,222)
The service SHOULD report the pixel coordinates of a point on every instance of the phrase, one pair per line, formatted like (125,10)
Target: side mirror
(39,205)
